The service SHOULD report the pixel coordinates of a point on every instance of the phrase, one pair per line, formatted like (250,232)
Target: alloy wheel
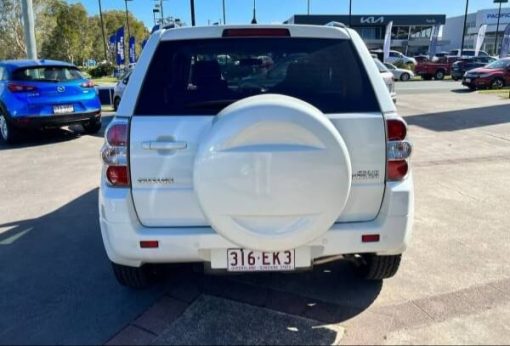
(4,130)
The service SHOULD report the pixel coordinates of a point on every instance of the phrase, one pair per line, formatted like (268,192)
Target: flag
(120,58)
(387,41)
(436,30)
(505,45)
(112,43)
(480,38)
(132,53)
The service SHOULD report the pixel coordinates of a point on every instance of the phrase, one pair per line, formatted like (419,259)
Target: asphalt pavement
(56,286)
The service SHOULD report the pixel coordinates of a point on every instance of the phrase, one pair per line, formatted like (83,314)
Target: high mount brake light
(256,32)
(398,150)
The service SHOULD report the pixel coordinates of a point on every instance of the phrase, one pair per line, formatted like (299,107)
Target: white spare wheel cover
(272,173)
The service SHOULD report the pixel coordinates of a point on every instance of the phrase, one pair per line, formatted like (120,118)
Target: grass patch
(104,80)
(505,92)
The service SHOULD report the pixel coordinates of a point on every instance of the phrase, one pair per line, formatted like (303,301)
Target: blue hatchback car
(38,94)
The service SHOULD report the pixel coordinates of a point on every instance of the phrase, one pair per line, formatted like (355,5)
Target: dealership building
(452,31)
(410,33)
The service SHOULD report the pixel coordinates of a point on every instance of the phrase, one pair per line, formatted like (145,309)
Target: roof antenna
(254,20)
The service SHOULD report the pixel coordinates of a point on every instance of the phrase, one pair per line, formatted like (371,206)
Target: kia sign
(372,20)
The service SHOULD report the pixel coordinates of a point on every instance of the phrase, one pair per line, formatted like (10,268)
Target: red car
(435,69)
(496,75)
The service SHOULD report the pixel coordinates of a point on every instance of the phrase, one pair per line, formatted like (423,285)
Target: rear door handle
(164,145)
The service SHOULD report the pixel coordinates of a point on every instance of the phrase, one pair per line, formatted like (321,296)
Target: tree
(12,40)
(68,40)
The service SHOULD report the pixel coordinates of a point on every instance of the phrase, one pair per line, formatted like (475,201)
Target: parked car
(37,94)
(437,70)
(467,53)
(395,57)
(399,73)
(387,78)
(118,90)
(496,75)
(197,169)
(460,67)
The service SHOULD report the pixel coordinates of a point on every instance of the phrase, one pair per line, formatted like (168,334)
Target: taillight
(20,88)
(87,84)
(256,32)
(398,150)
(114,153)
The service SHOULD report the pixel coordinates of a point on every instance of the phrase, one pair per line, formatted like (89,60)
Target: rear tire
(405,77)
(374,267)
(116,103)
(8,133)
(133,277)
(439,75)
(92,127)
(497,83)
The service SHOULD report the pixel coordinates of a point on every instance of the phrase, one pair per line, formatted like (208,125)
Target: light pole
(127,18)
(254,19)
(224,16)
(497,25)
(464,29)
(154,11)
(28,22)
(308,8)
(350,13)
(192,8)
(102,30)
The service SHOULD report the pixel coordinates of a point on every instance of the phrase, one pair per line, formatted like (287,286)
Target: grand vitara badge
(162,181)
(365,174)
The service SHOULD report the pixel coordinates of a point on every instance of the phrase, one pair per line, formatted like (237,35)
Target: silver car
(388,78)
(399,73)
(118,90)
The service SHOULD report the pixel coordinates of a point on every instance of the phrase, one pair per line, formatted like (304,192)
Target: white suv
(307,163)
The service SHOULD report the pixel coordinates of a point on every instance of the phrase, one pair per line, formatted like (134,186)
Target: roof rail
(337,25)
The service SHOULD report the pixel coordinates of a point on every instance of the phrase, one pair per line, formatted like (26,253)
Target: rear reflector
(370,238)
(397,170)
(397,129)
(256,32)
(149,244)
(117,175)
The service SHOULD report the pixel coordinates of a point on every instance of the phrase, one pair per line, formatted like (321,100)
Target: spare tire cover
(272,173)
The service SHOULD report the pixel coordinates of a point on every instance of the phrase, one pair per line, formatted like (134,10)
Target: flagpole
(102,31)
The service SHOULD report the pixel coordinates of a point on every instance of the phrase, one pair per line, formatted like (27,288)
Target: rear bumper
(476,82)
(34,122)
(122,233)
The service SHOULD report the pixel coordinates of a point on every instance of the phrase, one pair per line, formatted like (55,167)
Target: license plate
(63,109)
(468,80)
(241,260)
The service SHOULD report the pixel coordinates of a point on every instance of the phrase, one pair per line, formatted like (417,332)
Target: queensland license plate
(468,80)
(241,260)
(63,109)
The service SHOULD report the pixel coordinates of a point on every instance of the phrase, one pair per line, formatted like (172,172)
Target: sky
(276,11)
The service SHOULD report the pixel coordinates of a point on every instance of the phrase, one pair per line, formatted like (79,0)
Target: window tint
(201,77)
(47,74)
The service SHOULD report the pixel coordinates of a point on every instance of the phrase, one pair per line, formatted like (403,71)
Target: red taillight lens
(88,84)
(256,32)
(117,175)
(397,170)
(397,129)
(117,135)
(20,88)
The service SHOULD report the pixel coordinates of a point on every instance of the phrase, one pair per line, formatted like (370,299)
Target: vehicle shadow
(61,288)
(52,136)
(462,119)
(56,282)
(462,91)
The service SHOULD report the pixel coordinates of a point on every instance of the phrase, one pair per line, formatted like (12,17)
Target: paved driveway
(453,287)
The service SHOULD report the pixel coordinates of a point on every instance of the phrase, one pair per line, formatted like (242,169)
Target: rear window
(47,74)
(201,77)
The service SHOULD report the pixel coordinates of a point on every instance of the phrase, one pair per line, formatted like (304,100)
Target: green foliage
(102,70)
(64,31)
